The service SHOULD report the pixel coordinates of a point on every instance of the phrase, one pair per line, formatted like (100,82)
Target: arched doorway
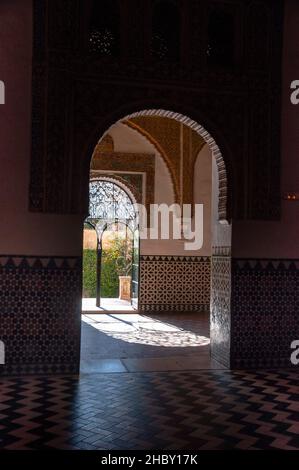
(172,280)
(111,240)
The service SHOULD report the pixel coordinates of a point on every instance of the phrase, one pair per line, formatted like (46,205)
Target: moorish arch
(212,134)
(220,289)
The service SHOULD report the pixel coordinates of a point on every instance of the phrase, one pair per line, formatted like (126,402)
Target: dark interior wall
(23,232)
(266,254)
(15,126)
(74,101)
(39,253)
(277,239)
(96,90)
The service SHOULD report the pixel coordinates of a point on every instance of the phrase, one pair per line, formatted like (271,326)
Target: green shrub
(109,276)
(89,273)
(116,261)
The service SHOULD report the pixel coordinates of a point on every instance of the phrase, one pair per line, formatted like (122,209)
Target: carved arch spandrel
(216,152)
(162,153)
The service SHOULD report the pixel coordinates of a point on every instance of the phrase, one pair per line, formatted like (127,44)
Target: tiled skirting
(265,320)
(40,305)
(175,283)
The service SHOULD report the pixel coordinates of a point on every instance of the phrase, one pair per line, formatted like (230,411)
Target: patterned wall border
(174,283)
(40,309)
(267,263)
(194,259)
(39,262)
(221,250)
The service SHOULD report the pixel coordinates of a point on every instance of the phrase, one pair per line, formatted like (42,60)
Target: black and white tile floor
(214,409)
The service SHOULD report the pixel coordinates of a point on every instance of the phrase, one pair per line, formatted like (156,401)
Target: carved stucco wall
(70,83)
(178,144)
(175,142)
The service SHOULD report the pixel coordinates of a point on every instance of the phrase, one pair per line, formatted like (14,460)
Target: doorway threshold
(107,305)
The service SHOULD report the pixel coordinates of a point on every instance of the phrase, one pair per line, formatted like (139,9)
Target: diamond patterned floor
(174,410)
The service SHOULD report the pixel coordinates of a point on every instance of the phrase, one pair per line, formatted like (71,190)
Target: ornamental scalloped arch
(225,168)
(129,189)
(99,227)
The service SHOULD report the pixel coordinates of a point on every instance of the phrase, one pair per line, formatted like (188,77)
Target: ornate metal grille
(109,203)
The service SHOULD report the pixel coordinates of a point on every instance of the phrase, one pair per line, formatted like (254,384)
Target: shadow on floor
(135,343)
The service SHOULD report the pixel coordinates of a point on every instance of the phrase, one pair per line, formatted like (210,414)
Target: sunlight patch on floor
(140,329)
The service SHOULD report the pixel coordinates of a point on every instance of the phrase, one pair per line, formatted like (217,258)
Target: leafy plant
(89,273)
(116,261)
(123,251)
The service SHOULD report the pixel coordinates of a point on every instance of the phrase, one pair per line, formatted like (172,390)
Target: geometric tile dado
(40,306)
(265,300)
(175,283)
